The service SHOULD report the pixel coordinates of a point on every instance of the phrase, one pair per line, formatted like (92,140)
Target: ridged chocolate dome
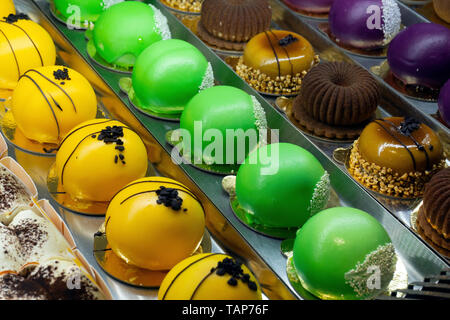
(436,202)
(338,93)
(235,20)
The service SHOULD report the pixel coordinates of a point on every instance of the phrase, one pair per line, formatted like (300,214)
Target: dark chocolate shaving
(169,197)
(12,18)
(408,126)
(61,74)
(287,40)
(113,135)
(234,269)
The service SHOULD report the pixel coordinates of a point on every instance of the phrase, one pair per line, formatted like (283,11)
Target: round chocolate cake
(229,24)
(396,156)
(336,94)
(434,216)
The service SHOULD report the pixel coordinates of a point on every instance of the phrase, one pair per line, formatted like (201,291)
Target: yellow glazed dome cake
(275,61)
(211,276)
(98,157)
(23,45)
(6,8)
(50,101)
(154,223)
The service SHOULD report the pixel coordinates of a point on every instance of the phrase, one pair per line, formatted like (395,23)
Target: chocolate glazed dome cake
(433,221)
(229,24)
(336,99)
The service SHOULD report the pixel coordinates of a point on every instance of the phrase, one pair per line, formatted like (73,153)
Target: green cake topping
(161,24)
(382,260)
(260,114)
(321,194)
(208,78)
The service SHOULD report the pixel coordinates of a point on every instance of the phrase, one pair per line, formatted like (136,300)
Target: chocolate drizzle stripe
(106,223)
(201,282)
(154,181)
(76,147)
(398,140)
(34,44)
(56,103)
(184,269)
(57,85)
(150,191)
(48,102)
(274,52)
(287,54)
(13,52)
(71,154)
(418,145)
(82,127)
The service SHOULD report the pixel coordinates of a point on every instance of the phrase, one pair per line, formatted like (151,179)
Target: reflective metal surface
(260,253)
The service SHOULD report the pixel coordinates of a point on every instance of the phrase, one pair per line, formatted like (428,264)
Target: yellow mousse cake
(154,223)
(50,101)
(210,276)
(98,157)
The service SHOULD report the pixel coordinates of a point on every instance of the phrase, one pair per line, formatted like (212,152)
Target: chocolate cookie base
(216,42)
(429,234)
(325,130)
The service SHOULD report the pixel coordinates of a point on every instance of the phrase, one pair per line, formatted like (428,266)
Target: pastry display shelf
(395,102)
(260,253)
(392,103)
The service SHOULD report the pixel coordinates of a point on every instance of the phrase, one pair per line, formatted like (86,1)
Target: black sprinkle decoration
(169,197)
(408,126)
(233,268)
(12,18)
(113,135)
(61,74)
(287,40)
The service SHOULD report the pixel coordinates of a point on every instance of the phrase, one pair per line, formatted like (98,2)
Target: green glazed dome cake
(126,29)
(85,10)
(218,112)
(168,74)
(282,185)
(344,254)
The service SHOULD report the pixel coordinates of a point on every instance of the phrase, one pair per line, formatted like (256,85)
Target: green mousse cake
(126,29)
(85,10)
(168,74)
(281,186)
(221,125)
(345,254)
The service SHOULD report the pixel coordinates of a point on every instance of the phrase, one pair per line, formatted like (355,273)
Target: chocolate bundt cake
(339,93)
(336,96)
(229,24)
(434,216)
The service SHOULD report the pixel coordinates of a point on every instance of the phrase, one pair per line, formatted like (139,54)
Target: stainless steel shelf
(261,253)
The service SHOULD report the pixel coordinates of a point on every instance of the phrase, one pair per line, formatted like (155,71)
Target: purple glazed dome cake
(313,6)
(420,55)
(364,24)
(444,103)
